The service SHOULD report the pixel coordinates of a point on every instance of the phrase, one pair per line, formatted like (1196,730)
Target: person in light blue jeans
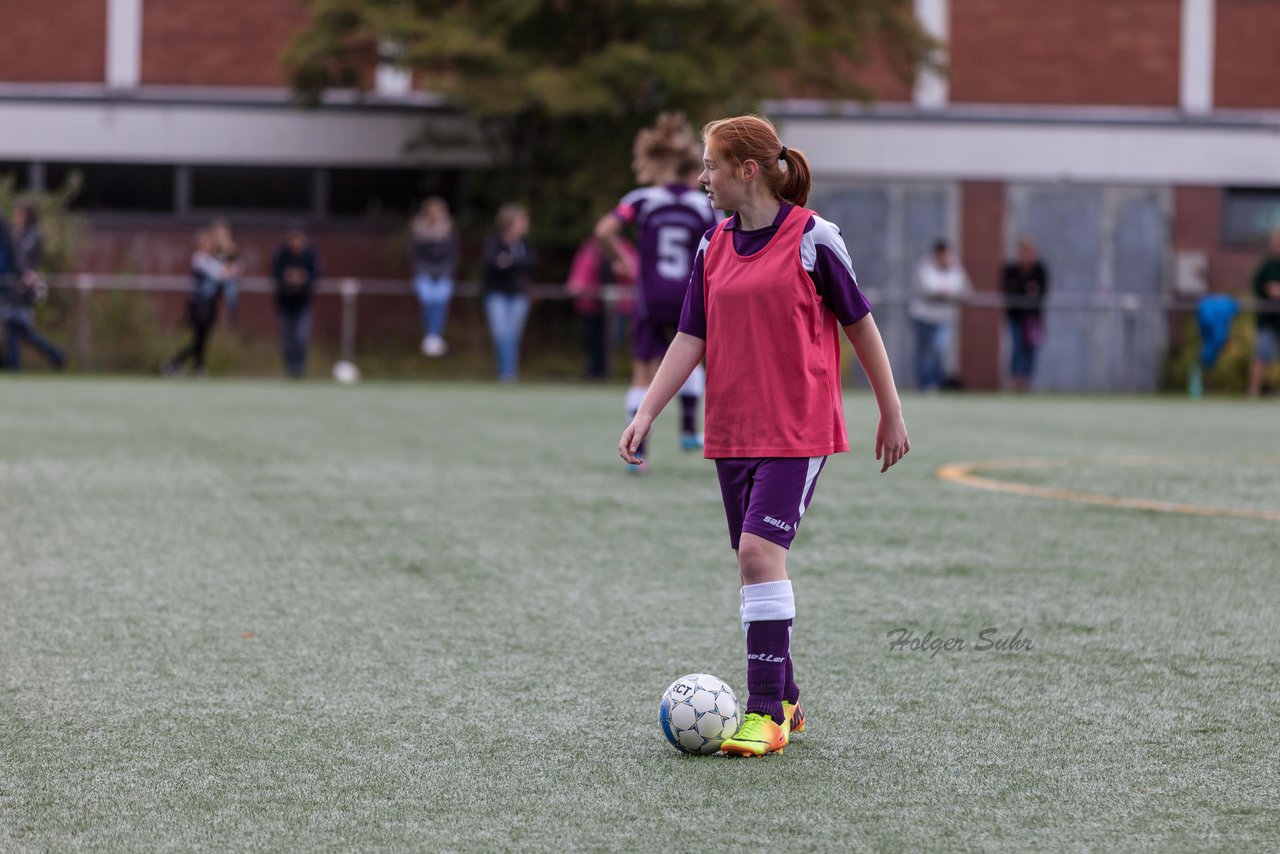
(434,250)
(933,341)
(940,286)
(507,275)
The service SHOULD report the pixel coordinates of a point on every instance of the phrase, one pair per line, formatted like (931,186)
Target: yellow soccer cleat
(757,736)
(795,717)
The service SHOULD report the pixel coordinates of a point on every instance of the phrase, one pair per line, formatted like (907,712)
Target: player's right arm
(609,229)
(891,436)
(684,354)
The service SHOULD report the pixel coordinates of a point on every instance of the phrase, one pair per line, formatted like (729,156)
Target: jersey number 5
(673,253)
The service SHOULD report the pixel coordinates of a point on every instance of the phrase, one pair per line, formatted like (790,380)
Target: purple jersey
(668,221)
(822,254)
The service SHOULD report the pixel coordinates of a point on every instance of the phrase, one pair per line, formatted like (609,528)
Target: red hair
(785,170)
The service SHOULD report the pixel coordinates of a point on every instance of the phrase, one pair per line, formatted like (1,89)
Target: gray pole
(350,292)
(84,291)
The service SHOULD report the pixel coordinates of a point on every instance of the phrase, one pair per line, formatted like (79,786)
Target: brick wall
(878,75)
(1247,54)
(212,43)
(1098,52)
(1197,227)
(46,42)
(981,229)
(873,71)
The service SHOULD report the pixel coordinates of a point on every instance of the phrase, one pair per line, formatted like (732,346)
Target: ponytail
(796,178)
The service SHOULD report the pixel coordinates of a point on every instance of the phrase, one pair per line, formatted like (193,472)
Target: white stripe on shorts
(815,466)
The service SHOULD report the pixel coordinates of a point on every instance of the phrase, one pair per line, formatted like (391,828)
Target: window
(115,186)
(369,192)
(1248,215)
(15,174)
(248,188)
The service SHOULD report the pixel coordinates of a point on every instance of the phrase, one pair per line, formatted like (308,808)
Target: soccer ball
(346,373)
(698,712)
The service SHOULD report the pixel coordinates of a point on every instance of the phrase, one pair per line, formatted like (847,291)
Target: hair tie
(783,155)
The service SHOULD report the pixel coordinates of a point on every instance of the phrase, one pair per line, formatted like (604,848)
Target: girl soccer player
(770,286)
(669,216)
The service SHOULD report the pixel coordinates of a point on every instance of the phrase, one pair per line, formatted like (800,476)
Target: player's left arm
(824,256)
(892,443)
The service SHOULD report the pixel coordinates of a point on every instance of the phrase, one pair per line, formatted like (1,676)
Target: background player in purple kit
(669,217)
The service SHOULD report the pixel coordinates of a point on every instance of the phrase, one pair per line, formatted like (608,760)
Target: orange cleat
(757,736)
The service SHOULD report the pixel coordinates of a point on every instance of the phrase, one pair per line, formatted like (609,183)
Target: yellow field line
(964,473)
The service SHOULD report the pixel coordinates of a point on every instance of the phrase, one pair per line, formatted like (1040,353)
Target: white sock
(696,384)
(772,600)
(635,396)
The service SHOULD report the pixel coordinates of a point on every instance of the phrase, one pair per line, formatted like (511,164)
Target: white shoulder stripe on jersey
(650,197)
(698,202)
(827,235)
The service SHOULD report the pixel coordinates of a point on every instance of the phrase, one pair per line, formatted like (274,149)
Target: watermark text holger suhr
(989,640)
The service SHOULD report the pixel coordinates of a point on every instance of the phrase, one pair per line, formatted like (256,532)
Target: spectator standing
(227,252)
(8,276)
(940,285)
(591,270)
(295,268)
(208,279)
(25,248)
(434,249)
(507,276)
(1025,284)
(1266,289)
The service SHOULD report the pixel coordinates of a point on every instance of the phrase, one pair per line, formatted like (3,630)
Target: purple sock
(790,690)
(688,414)
(768,650)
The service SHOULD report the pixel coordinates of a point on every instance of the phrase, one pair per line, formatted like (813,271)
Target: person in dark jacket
(1025,284)
(8,275)
(295,268)
(507,276)
(1266,289)
(26,251)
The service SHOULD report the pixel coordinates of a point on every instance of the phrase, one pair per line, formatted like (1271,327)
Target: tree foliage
(60,229)
(561,86)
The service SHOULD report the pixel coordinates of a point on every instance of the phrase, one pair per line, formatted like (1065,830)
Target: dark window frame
(1254,236)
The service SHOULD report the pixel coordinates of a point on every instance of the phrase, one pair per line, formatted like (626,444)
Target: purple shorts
(652,339)
(767,496)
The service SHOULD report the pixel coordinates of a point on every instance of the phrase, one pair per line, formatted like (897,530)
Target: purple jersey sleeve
(825,258)
(628,210)
(693,317)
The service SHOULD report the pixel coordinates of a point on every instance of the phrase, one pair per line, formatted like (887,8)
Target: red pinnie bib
(773,351)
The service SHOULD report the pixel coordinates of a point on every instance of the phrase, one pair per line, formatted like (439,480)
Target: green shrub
(1230,375)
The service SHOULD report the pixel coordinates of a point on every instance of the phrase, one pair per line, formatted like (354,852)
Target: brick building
(1136,140)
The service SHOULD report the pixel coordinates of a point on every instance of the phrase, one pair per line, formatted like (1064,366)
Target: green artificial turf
(263,616)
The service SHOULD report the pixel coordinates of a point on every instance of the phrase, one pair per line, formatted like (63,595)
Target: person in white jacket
(940,285)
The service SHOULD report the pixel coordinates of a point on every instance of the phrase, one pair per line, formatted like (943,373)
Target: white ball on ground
(698,712)
(346,373)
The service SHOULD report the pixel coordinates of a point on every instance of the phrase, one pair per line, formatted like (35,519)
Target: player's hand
(635,433)
(621,269)
(892,443)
